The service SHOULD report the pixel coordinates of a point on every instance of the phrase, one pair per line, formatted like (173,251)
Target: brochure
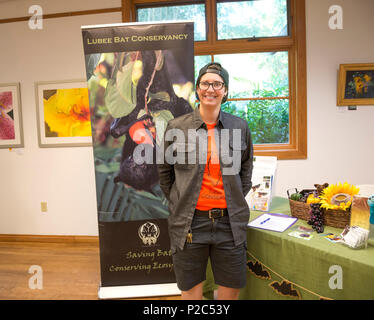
(301,232)
(259,197)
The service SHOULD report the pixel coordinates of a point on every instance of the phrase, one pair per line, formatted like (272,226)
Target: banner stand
(148,290)
(139,77)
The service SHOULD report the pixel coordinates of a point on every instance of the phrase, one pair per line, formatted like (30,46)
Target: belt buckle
(213,211)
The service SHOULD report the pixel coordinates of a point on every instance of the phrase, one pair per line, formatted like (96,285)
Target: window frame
(294,43)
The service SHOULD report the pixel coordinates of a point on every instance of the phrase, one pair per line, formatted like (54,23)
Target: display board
(139,77)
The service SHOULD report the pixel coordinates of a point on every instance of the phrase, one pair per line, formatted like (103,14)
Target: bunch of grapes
(316,217)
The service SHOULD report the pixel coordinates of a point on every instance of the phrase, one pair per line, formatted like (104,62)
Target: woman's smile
(211,96)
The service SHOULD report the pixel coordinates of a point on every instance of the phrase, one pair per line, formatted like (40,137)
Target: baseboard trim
(49,238)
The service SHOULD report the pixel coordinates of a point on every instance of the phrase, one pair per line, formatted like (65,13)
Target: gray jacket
(181,172)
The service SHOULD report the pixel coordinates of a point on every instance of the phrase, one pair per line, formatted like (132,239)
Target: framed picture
(356,84)
(63,114)
(11,134)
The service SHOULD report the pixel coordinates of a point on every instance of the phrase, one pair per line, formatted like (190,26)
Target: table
(283,267)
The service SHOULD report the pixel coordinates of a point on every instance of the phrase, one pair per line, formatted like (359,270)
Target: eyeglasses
(216,85)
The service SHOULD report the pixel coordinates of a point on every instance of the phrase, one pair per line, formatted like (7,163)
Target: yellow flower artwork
(336,191)
(67,113)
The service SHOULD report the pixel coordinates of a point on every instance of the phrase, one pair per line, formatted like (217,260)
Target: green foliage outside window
(252,75)
(194,12)
(267,119)
(246,19)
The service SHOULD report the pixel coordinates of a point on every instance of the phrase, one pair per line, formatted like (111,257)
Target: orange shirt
(212,194)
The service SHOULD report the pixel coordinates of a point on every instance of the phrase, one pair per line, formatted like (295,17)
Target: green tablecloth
(293,268)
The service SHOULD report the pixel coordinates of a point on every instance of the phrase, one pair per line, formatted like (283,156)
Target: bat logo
(148,233)
(257,270)
(285,288)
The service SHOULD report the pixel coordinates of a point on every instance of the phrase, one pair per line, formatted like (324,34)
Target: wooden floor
(71,270)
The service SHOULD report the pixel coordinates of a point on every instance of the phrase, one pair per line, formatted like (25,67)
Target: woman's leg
(228,261)
(225,293)
(195,293)
(191,262)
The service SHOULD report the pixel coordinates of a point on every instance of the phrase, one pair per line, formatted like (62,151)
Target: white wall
(338,142)
(63,177)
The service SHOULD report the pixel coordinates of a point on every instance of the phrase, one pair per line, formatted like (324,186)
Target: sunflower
(338,197)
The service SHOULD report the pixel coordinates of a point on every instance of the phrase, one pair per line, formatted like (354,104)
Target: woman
(208,212)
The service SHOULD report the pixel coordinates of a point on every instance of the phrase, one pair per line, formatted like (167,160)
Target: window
(257,93)
(195,12)
(245,19)
(262,45)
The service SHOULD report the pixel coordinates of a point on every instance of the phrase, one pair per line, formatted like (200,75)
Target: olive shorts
(214,240)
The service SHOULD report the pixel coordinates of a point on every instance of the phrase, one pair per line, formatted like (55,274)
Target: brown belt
(212,213)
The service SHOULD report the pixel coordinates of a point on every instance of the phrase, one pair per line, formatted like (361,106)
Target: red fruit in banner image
(140,132)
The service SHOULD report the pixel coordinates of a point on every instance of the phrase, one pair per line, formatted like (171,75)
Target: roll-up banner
(139,77)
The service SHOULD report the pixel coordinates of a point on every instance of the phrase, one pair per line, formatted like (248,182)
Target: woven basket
(332,218)
(336,218)
(300,209)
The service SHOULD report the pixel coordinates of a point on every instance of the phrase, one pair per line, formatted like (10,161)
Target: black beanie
(214,67)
